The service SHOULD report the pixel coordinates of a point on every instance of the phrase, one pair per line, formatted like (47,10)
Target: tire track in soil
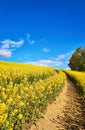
(67,112)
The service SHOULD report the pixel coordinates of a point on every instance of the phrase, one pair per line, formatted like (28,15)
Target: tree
(77,60)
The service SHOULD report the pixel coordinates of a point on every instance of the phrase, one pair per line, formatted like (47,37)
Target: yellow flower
(7,123)
(9,100)
(4,95)
(19,116)
(3,89)
(3,118)
(18,97)
(11,128)
(14,112)
(21,104)
(3,108)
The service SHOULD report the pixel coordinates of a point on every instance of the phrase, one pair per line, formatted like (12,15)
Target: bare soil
(66,112)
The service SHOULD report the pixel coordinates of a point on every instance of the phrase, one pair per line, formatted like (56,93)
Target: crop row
(78,79)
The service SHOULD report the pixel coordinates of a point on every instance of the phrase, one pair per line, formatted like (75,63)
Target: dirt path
(67,112)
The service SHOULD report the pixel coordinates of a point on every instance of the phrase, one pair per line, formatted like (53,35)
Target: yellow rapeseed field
(24,92)
(79,79)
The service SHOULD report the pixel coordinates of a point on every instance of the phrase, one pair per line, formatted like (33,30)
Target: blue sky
(42,32)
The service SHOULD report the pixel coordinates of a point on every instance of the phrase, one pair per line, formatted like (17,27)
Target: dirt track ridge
(67,112)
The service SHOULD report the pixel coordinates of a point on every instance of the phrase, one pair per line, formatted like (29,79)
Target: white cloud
(11,44)
(60,61)
(8,46)
(5,53)
(46,50)
(28,36)
(31,42)
(62,56)
(41,62)
(46,63)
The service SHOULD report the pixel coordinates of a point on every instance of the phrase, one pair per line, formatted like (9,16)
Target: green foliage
(77,61)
